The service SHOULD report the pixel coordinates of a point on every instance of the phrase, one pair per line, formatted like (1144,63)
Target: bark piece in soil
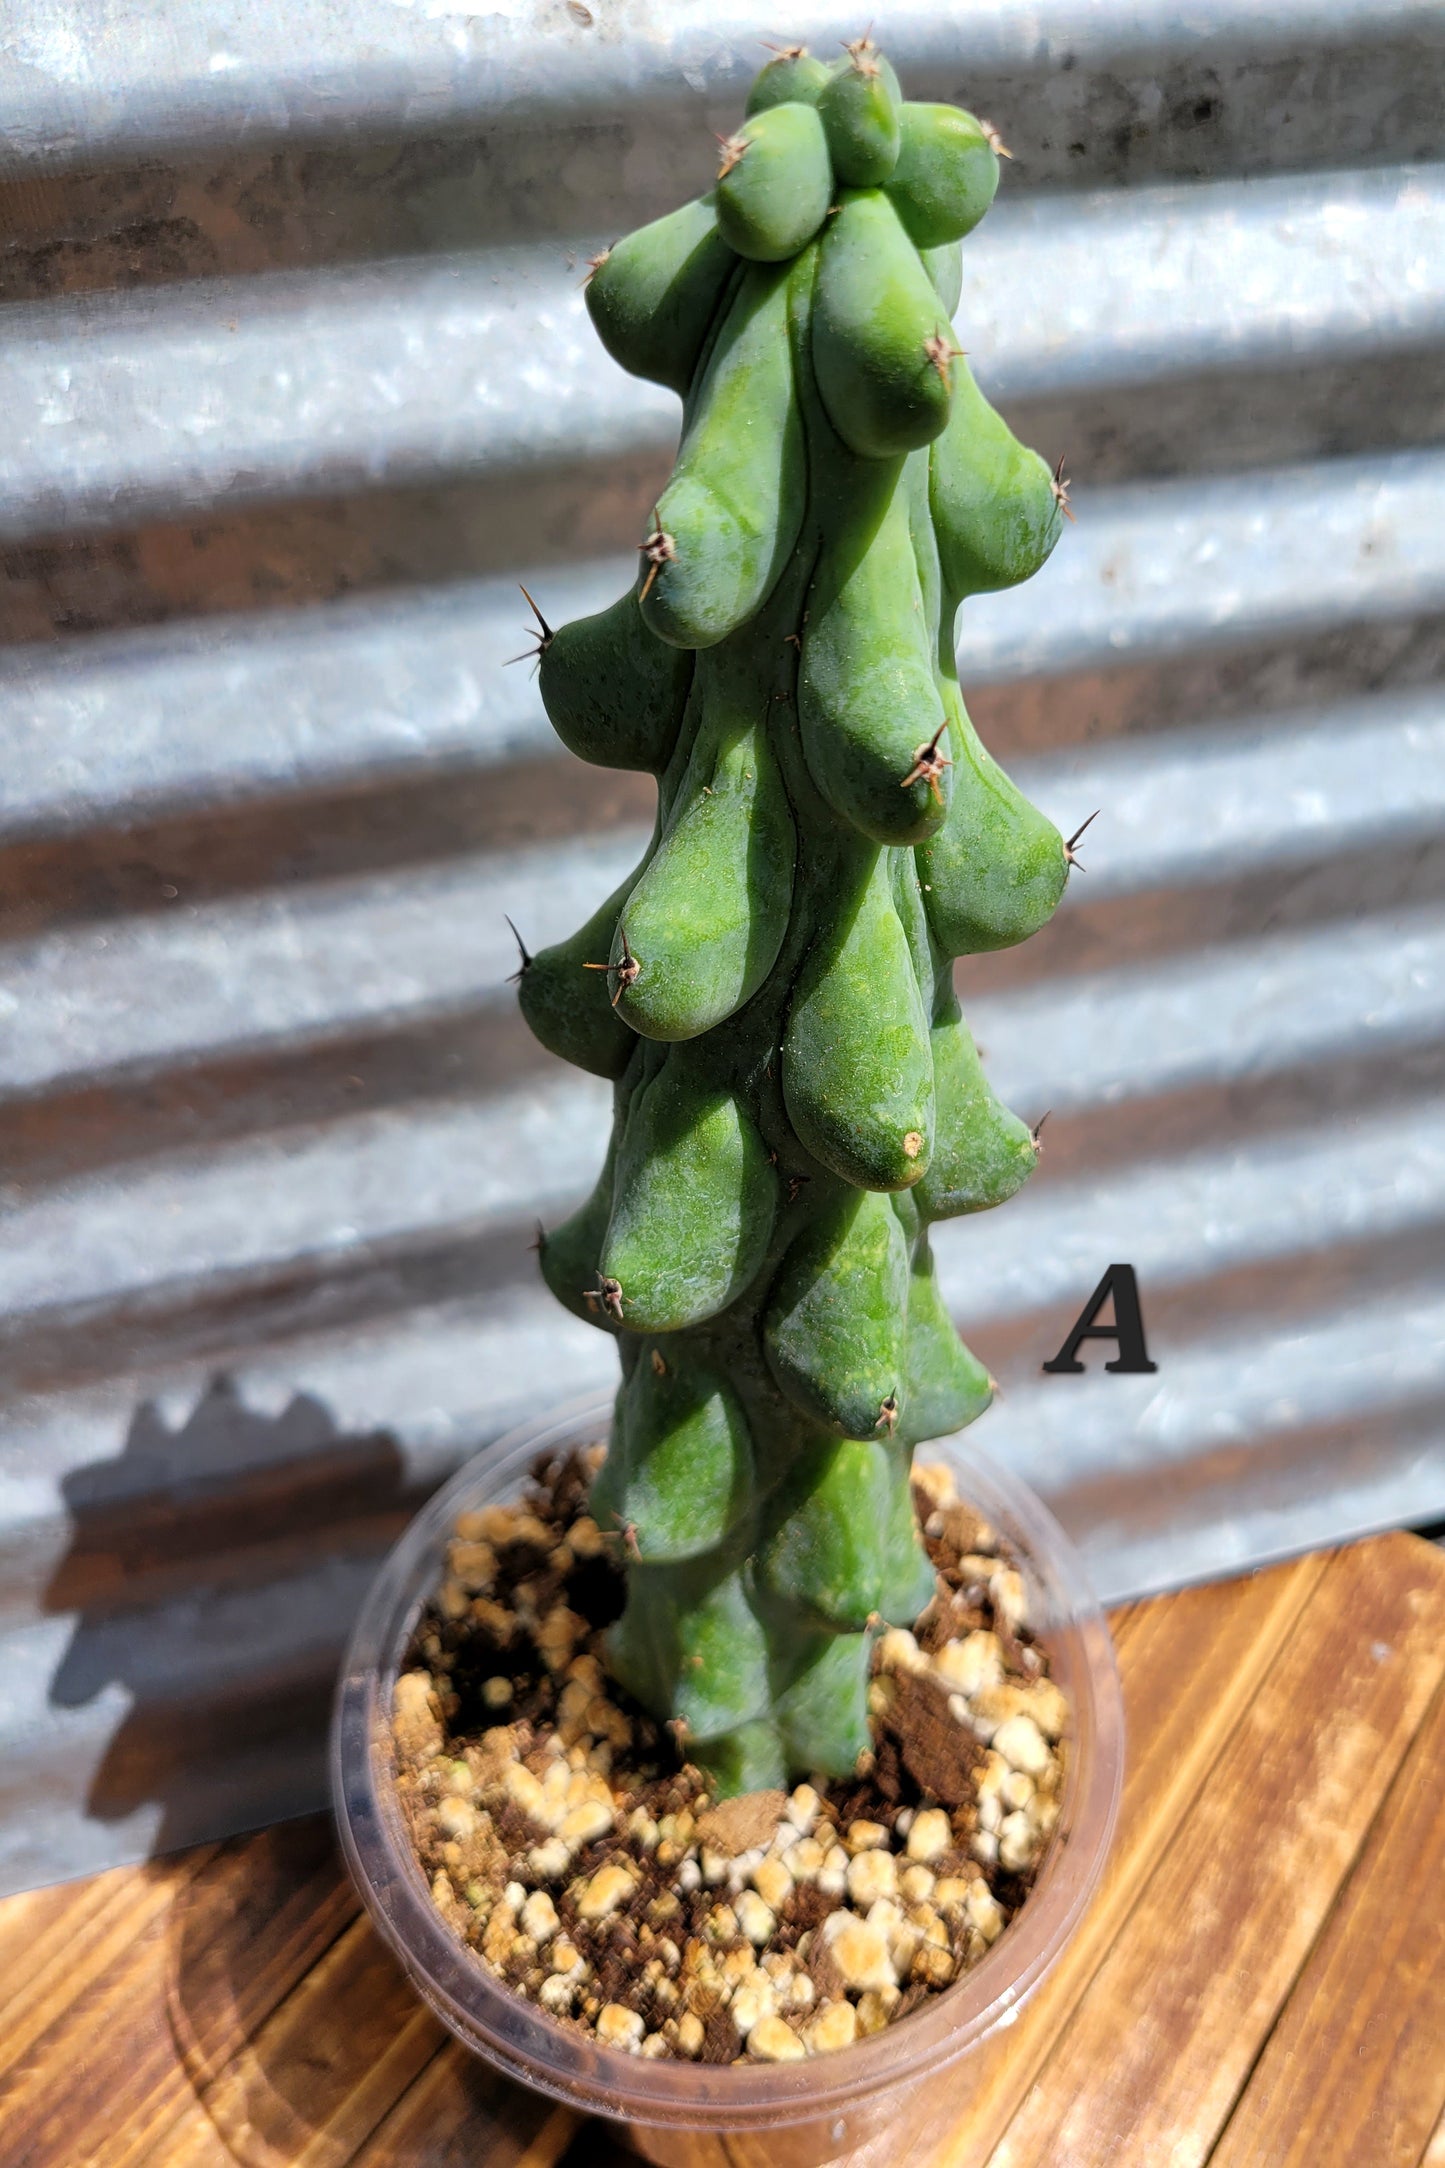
(742,1823)
(939,1754)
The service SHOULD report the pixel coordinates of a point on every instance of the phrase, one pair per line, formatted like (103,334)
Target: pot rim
(568,2064)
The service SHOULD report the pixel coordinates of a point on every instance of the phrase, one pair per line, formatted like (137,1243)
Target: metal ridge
(233,392)
(132,76)
(126,727)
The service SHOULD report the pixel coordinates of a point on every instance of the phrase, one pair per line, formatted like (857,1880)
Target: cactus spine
(797,1097)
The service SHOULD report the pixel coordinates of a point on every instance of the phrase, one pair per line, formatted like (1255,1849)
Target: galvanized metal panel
(129,407)
(113,76)
(266,1113)
(130,728)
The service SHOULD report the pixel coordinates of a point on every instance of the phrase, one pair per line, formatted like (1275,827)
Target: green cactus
(797,1097)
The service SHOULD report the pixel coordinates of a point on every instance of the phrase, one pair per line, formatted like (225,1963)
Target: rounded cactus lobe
(723,1662)
(823,1710)
(568,1006)
(994,872)
(835,1322)
(912,917)
(653,297)
(868,706)
(881,336)
(568,1254)
(995,509)
(728,520)
(776,185)
(860,107)
(947,1387)
(982,1153)
(751,1758)
(945,270)
(706,920)
(689,1637)
(613,692)
(793,76)
(825,1551)
(694,1197)
(946,175)
(679,1473)
(856,1065)
(909,1580)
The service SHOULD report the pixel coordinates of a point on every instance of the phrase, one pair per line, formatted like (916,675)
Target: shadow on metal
(162,1534)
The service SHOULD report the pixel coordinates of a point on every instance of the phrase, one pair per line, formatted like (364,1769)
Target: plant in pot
(698,1787)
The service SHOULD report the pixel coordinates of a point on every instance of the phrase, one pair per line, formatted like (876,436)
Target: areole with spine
(797,1096)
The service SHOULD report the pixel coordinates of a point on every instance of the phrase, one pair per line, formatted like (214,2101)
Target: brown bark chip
(828,1982)
(805,1908)
(741,1824)
(940,1755)
(721,2040)
(948,1618)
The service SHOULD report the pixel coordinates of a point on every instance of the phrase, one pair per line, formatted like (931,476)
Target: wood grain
(1193,1983)
(1355,2068)
(1257,1984)
(1190,1665)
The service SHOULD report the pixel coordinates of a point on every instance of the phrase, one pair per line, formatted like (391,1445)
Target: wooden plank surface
(1259,1983)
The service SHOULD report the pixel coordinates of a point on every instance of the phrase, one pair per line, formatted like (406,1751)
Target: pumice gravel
(571,1846)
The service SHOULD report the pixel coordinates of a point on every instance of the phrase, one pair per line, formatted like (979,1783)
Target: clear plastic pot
(690,2115)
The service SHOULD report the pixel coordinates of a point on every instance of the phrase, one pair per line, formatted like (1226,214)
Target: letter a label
(1127,1329)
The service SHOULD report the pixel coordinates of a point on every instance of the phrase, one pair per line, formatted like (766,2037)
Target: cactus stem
(1069,857)
(994,140)
(797,311)
(941,350)
(1036,1133)
(928,766)
(524,955)
(732,148)
(659,549)
(607,1292)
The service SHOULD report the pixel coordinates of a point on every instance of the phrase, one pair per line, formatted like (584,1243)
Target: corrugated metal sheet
(295,381)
